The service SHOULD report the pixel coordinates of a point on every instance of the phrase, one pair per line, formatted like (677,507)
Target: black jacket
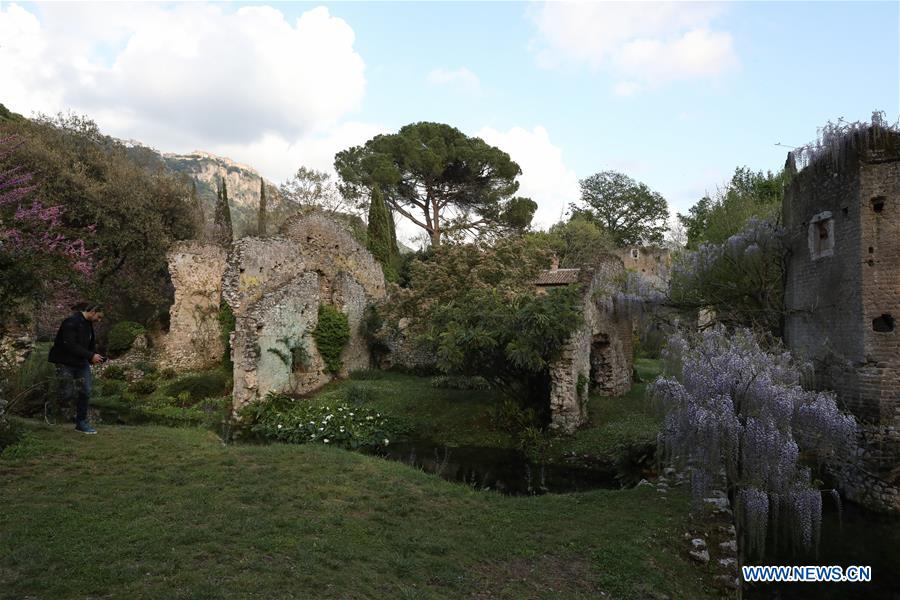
(74,344)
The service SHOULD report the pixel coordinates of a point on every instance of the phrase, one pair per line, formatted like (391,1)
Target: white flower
(279,426)
(386,441)
(369,418)
(325,440)
(351,414)
(342,430)
(321,429)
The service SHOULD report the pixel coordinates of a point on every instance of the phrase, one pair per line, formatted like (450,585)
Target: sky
(675,95)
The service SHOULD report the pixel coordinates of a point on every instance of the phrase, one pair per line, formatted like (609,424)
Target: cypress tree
(382,240)
(222,223)
(262,207)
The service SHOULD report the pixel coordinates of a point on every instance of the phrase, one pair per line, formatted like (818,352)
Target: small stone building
(599,353)
(842,295)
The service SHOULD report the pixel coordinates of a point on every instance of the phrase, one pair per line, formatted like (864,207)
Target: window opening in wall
(878,203)
(821,236)
(883,324)
(871,250)
(634,253)
(845,211)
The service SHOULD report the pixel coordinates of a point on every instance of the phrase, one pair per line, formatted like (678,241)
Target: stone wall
(194,340)
(598,354)
(842,296)
(275,285)
(653,263)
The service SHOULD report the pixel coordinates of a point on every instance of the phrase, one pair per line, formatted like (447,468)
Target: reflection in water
(506,471)
(858,537)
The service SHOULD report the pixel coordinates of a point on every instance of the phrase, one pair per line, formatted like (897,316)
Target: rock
(719,505)
(727,562)
(669,472)
(644,482)
(698,543)
(729,547)
(729,530)
(139,343)
(701,556)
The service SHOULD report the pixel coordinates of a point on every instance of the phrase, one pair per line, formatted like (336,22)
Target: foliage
(142,387)
(11,433)
(733,407)
(748,195)
(629,211)
(740,280)
(116,372)
(576,243)
(227,324)
(309,188)
(459,382)
(381,237)
(367,374)
(510,416)
(223,232)
(357,394)
(34,383)
(839,143)
(441,180)
(122,335)
(127,214)
(284,419)
(332,333)
(200,385)
(475,308)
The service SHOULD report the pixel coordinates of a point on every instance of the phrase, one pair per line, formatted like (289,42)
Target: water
(504,470)
(859,537)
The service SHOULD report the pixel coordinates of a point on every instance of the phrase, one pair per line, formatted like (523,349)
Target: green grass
(620,429)
(445,416)
(154,512)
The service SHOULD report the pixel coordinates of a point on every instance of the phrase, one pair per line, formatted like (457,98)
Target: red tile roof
(557,277)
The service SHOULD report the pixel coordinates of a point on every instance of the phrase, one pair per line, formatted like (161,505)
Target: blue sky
(675,95)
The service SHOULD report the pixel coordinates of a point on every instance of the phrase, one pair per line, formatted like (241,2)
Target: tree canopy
(628,210)
(576,243)
(441,180)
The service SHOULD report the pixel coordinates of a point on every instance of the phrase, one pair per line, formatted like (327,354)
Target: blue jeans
(75,382)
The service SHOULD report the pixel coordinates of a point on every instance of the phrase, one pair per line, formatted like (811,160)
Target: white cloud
(545,177)
(461,78)
(649,43)
(183,76)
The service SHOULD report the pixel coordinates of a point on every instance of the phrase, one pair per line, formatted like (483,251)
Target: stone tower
(842,294)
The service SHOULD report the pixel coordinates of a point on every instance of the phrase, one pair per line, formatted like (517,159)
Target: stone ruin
(842,299)
(274,286)
(599,353)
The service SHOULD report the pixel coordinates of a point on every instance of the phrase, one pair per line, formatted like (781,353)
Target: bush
(10,433)
(226,327)
(122,336)
(366,374)
(114,372)
(509,416)
(460,382)
(142,387)
(332,333)
(110,387)
(34,383)
(200,385)
(281,418)
(168,373)
(357,394)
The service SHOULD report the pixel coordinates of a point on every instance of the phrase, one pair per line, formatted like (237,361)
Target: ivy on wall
(332,333)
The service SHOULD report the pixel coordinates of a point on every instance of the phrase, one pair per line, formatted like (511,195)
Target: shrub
(281,418)
(332,333)
(460,382)
(34,383)
(357,395)
(142,387)
(10,433)
(122,336)
(114,372)
(366,374)
(110,387)
(200,385)
(509,416)
(168,373)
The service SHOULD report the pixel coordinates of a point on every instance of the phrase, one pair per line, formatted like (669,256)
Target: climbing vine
(226,326)
(332,333)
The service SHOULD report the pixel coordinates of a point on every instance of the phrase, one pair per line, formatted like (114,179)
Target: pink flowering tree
(736,416)
(37,252)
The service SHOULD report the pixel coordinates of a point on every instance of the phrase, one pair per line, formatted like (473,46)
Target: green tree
(382,241)
(628,210)
(438,178)
(222,231)
(576,243)
(261,221)
(748,194)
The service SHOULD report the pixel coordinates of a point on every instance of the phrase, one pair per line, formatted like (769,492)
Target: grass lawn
(155,512)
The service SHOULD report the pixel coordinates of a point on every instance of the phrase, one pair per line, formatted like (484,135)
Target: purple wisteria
(736,415)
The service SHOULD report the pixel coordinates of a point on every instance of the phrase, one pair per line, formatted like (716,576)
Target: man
(73,353)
